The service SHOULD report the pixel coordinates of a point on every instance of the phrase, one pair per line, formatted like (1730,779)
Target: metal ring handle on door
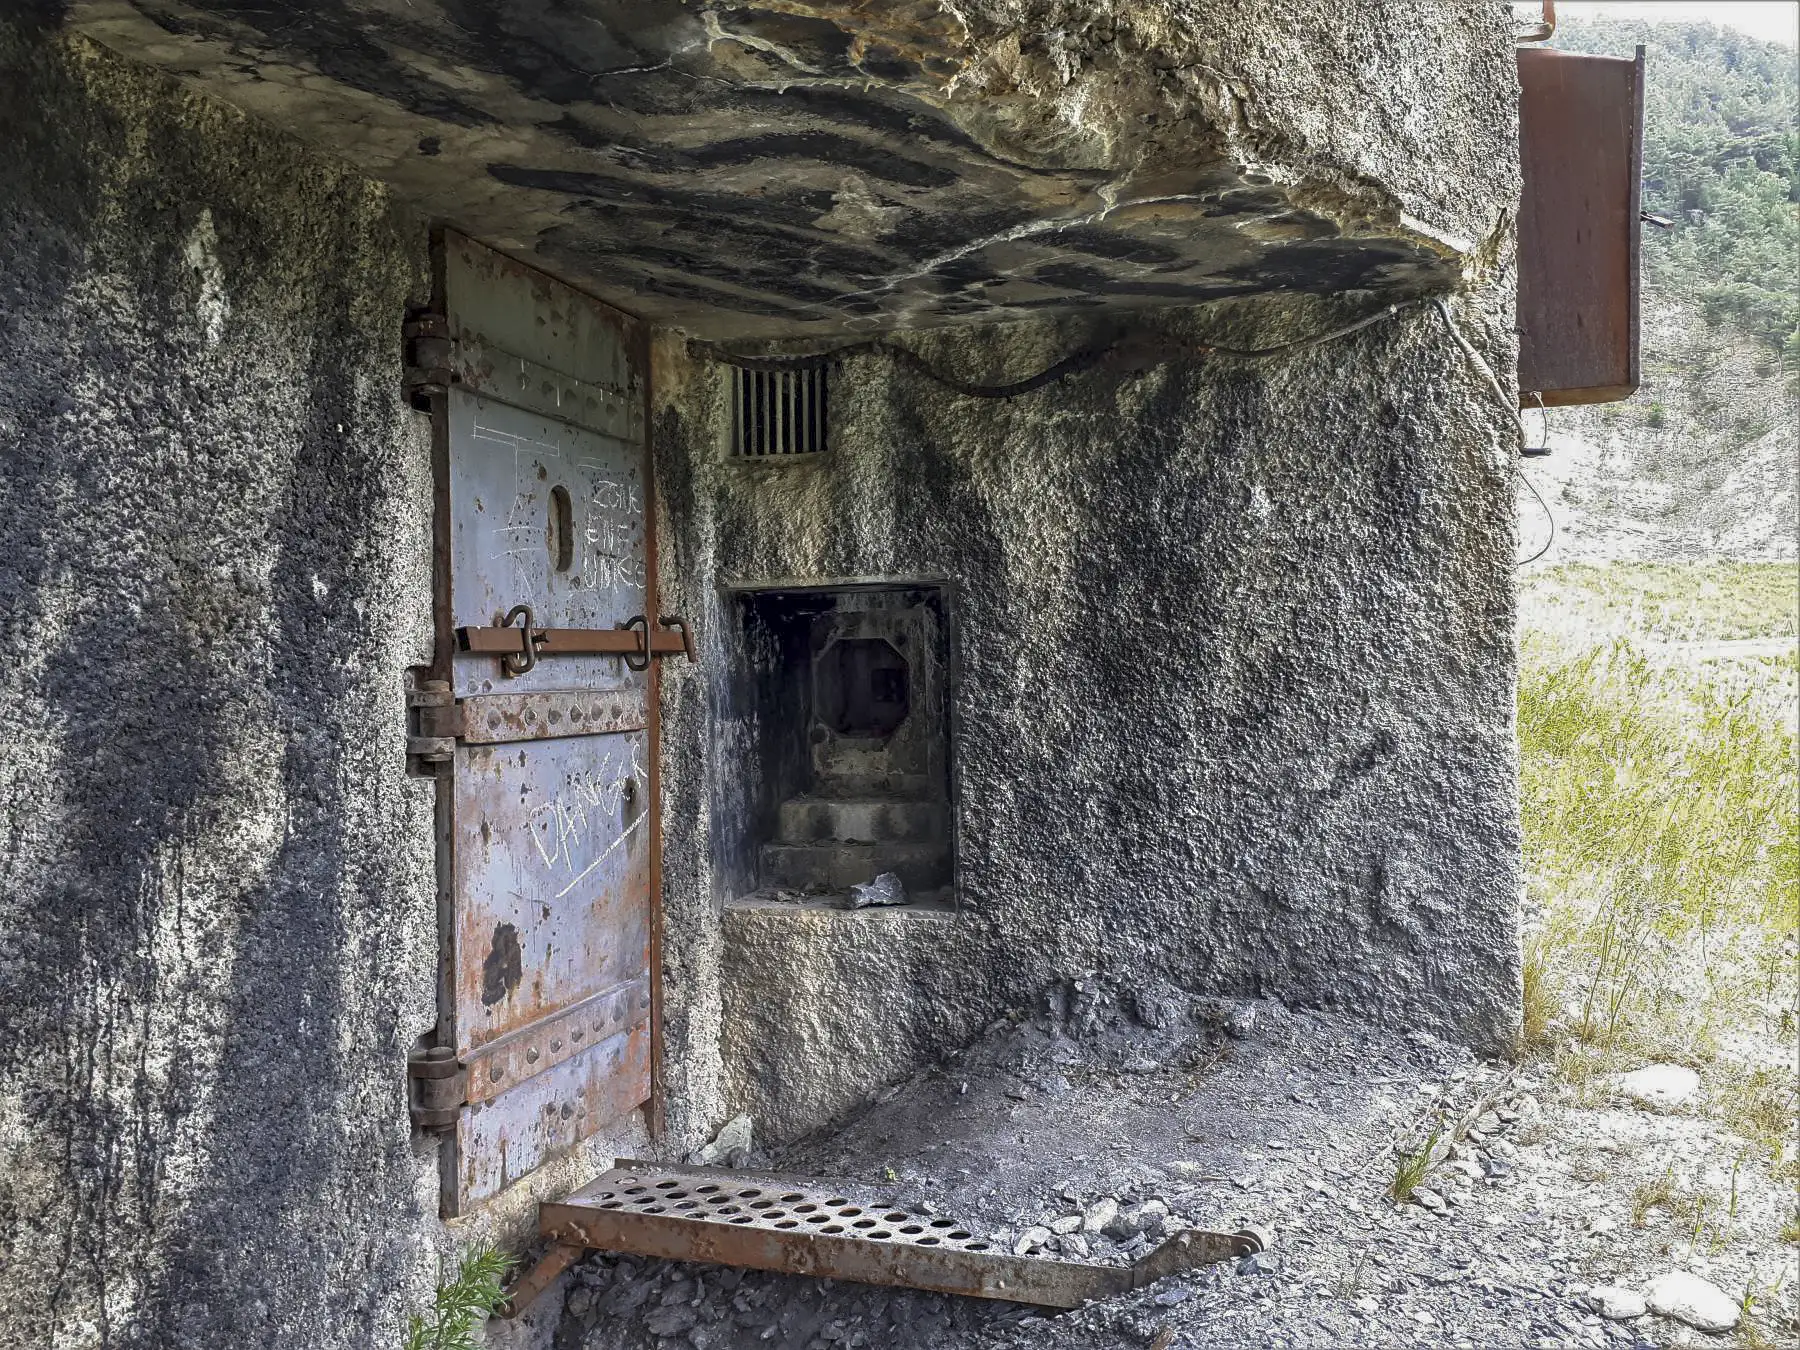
(642,624)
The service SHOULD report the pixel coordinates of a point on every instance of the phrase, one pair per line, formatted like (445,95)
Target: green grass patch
(1411,1168)
(1662,846)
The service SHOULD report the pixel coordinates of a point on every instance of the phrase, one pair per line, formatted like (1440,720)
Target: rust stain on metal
(511,1134)
(552,875)
(1581,154)
(544,1044)
(768,1222)
(493,718)
(523,1292)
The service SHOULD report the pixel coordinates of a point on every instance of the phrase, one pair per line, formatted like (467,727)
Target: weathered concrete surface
(216,882)
(1232,678)
(1233,686)
(785,166)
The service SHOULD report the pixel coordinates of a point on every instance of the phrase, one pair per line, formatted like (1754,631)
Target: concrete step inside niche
(842,695)
(860,820)
(834,865)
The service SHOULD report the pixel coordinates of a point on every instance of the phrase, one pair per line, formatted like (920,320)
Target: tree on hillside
(1721,153)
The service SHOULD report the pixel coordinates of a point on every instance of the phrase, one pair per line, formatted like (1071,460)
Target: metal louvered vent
(776,414)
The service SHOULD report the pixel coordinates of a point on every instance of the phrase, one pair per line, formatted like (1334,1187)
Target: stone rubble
(1042,1136)
(1614,1304)
(1688,1298)
(886,889)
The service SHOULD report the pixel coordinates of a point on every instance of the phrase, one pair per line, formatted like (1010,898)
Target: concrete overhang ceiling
(783,168)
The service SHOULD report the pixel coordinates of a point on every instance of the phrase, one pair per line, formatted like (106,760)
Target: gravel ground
(1226,1115)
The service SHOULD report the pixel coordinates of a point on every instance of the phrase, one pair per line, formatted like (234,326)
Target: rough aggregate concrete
(1231,698)
(1232,686)
(786,166)
(216,880)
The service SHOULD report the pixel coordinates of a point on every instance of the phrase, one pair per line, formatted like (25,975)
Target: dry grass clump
(1790,1229)
(1759,1104)
(1663,845)
(1541,1003)
(1667,602)
(1674,1198)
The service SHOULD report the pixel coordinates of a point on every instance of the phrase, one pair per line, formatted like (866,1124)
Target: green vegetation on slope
(1662,843)
(1722,159)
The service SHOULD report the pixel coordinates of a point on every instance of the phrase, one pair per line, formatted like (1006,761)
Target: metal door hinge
(434,721)
(437,1087)
(427,356)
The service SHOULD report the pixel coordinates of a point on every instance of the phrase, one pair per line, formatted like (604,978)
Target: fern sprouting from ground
(462,1303)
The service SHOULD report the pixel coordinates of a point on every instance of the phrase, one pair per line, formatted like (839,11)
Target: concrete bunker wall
(216,880)
(1233,677)
(1230,695)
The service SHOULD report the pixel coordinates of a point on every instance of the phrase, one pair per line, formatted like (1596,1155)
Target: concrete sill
(938,906)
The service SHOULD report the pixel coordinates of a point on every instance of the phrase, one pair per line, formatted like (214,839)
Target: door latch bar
(634,640)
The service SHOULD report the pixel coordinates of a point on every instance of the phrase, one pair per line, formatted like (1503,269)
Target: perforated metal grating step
(768,1222)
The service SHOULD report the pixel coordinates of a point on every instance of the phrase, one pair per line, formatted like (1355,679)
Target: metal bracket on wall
(763,1221)
(427,356)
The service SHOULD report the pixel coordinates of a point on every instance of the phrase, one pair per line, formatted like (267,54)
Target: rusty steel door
(546,749)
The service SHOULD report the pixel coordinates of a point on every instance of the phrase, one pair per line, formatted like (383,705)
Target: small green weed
(462,1304)
(1411,1169)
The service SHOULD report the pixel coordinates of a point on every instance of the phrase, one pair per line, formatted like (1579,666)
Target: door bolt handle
(638,660)
(531,637)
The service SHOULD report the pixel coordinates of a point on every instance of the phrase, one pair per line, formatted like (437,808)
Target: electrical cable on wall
(1142,352)
(1526,450)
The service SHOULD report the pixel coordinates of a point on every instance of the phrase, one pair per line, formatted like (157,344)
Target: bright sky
(1770,20)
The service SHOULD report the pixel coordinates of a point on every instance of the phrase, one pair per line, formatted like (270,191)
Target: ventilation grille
(778,413)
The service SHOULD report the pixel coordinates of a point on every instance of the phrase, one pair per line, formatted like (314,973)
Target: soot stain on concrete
(207,544)
(647,135)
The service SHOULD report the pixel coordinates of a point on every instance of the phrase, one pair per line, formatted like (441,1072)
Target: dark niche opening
(863,688)
(838,705)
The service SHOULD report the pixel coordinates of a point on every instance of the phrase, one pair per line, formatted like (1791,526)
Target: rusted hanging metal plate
(767,1222)
(1581,159)
(548,991)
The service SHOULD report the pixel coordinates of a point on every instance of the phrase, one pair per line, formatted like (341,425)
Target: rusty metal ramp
(768,1222)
